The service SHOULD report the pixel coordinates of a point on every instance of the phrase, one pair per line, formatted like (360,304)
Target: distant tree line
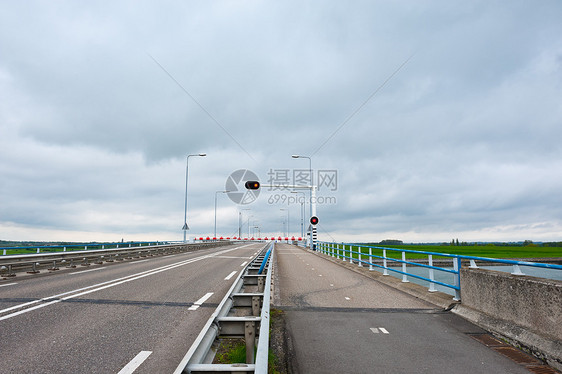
(391,242)
(526,243)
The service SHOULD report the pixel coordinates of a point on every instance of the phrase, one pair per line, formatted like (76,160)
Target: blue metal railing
(355,253)
(265,258)
(81,246)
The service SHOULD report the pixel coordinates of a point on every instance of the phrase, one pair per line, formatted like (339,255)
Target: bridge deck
(339,321)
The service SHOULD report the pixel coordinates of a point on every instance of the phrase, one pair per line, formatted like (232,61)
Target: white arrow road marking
(135,362)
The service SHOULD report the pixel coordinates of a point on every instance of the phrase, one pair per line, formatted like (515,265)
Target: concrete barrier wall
(529,302)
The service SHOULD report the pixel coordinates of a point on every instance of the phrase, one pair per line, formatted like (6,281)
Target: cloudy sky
(440,119)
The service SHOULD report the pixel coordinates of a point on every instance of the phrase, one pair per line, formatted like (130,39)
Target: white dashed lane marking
(86,271)
(199,302)
(382,329)
(138,262)
(135,362)
(230,275)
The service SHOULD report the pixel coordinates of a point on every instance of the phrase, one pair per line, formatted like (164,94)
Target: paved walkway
(339,321)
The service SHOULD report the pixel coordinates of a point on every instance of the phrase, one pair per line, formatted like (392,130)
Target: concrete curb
(548,350)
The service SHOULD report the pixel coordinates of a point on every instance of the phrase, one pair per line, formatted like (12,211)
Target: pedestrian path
(339,321)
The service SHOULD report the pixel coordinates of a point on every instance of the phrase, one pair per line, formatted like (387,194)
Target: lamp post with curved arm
(216,193)
(185,226)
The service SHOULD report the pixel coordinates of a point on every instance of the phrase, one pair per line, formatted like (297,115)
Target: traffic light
(252,185)
(314,220)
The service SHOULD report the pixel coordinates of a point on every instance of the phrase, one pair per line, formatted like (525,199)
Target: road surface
(138,316)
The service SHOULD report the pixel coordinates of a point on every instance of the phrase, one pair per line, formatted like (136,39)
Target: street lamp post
(185,226)
(241,224)
(311,203)
(216,193)
(287,220)
(302,211)
(249,226)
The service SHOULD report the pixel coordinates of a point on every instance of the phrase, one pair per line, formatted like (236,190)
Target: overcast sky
(440,119)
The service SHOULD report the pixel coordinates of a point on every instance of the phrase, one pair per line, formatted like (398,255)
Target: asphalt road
(137,316)
(339,321)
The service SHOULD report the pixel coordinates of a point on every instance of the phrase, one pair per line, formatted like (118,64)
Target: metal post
(385,272)
(216,193)
(239,224)
(250,338)
(359,257)
(517,270)
(185,226)
(431,284)
(457,268)
(313,214)
(370,258)
(302,217)
(404,276)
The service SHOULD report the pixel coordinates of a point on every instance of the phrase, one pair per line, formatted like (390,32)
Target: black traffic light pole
(254,185)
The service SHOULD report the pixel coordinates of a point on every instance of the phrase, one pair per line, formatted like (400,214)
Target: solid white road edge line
(5,285)
(135,362)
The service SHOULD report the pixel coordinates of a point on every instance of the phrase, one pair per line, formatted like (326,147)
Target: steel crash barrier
(32,263)
(75,247)
(244,314)
(365,255)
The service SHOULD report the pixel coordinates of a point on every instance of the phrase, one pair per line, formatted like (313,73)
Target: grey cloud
(464,137)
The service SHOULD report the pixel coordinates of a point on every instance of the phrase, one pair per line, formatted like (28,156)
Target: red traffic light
(314,220)
(252,185)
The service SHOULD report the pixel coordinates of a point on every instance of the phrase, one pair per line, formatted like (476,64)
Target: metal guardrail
(226,322)
(84,246)
(346,252)
(9,264)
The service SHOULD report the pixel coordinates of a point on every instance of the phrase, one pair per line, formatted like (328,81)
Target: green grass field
(478,251)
